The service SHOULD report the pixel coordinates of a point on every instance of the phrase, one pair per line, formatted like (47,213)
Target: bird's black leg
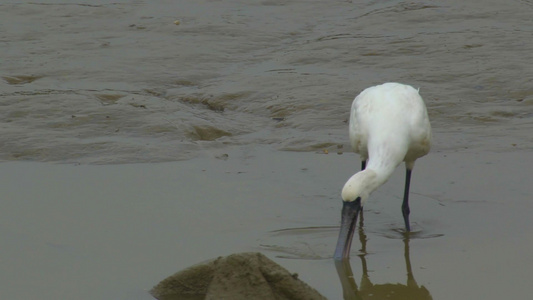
(363,166)
(405,204)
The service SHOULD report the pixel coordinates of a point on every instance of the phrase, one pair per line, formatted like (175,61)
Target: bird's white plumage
(388,125)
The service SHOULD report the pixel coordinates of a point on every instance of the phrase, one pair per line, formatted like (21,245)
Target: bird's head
(354,194)
(358,186)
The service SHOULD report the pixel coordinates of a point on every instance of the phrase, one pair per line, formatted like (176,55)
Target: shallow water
(114,231)
(120,81)
(223,90)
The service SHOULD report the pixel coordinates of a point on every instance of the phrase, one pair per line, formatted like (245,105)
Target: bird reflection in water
(368,290)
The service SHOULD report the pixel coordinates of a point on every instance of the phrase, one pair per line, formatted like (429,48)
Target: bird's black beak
(350,211)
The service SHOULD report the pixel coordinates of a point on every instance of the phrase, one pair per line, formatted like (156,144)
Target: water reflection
(368,290)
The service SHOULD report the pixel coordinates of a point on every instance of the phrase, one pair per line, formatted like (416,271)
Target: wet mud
(237,276)
(166,81)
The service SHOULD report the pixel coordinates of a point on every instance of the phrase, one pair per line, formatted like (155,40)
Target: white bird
(389,124)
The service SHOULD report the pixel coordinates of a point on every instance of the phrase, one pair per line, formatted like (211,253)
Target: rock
(237,276)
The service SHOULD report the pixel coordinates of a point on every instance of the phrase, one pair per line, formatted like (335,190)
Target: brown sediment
(248,275)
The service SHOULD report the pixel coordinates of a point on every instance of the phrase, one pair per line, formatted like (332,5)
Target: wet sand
(114,231)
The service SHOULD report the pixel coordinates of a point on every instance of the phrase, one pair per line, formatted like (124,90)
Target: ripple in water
(316,243)
(312,243)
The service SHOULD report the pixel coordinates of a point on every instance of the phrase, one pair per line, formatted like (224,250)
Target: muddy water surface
(112,232)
